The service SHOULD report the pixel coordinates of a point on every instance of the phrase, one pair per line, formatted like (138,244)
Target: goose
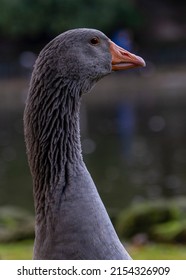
(71,222)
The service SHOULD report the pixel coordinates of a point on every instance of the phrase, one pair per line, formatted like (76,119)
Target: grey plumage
(71,221)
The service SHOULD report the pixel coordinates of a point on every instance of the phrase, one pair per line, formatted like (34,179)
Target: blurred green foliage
(173,231)
(30,18)
(142,217)
(15,224)
(159,221)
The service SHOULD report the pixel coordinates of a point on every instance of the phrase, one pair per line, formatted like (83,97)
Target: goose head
(81,57)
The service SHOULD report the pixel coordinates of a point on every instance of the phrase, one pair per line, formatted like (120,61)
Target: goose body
(71,220)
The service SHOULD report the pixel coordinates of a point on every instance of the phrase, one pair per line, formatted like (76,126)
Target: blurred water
(15,180)
(133,143)
(144,161)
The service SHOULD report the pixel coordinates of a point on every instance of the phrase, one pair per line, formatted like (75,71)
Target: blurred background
(133,124)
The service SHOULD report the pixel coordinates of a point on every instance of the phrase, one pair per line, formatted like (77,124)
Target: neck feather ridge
(52,137)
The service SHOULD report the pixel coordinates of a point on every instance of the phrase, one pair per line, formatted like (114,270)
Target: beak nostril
(125,54)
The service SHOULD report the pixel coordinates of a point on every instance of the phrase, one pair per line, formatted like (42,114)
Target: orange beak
(122,59)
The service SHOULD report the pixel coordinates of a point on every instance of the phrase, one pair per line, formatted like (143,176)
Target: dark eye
(94,41)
